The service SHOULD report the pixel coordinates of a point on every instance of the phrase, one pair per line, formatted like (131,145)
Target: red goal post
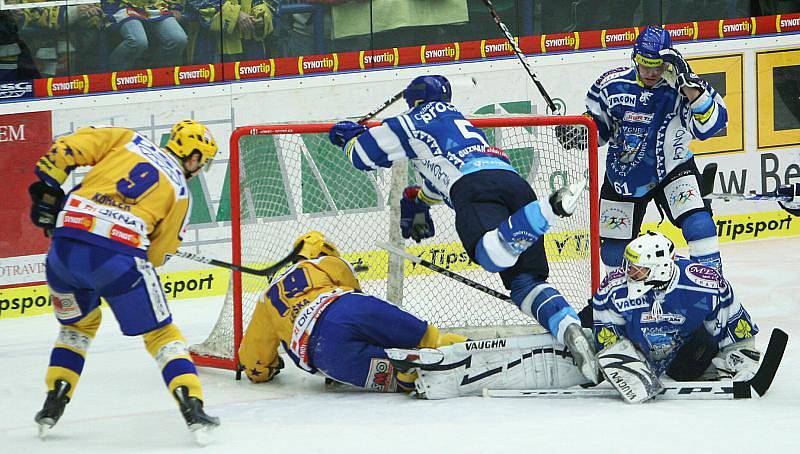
(286,179)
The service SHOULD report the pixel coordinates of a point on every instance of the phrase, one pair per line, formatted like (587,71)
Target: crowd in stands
(116,35)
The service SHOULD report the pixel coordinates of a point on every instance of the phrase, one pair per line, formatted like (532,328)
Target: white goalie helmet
(649,263)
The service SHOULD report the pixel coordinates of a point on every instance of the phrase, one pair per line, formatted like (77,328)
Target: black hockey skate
(192,410)
(406,359)
(53,407)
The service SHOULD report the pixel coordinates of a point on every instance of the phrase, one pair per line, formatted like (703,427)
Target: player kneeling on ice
(657,314)
(316,310)
(123,219)
(660,313)
(499,220)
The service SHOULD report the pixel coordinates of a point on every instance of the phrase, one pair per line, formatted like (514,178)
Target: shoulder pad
(610,75)
(703,276)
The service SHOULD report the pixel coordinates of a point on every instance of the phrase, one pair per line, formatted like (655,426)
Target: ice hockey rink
(121,404)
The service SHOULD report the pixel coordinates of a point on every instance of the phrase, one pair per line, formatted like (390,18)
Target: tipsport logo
(614,219)
(682,195)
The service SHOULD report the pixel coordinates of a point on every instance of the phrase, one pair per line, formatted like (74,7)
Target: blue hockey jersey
(648,130)
(659,322)
(441,143)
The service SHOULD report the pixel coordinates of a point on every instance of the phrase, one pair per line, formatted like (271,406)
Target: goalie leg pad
(526,362)
(626,368)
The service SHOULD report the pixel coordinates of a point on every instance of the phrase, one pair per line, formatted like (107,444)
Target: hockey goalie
(657,315)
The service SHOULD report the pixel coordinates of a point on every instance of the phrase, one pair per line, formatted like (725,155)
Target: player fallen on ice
(648,114)
(499,220)
(658,314)
(316,310)
(108,234)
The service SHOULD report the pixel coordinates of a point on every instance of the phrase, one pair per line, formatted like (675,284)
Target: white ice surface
(121,404)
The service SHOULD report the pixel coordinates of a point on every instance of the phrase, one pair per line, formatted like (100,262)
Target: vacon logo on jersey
(328,63)
(254,70)
(623,305)
(443,52)
(622,99)
(131,80)
(185,75)
(554,43)
(625,38)
(737,27)
(378,59)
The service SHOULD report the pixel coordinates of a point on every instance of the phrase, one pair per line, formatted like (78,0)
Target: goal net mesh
(292,180)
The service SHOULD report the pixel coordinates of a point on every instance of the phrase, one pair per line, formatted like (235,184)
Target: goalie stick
(707,190)
(518,52)
(696,390)
(420,261)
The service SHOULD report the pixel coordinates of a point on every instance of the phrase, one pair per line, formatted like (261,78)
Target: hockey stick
(550,104)
(371,114)
(698,390)
(466,281)
(707,190)
(268,271)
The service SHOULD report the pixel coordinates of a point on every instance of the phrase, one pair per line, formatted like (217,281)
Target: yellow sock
(168,347)
(69,353)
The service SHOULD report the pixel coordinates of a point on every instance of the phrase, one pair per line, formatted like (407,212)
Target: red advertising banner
(23,139)
(404,56)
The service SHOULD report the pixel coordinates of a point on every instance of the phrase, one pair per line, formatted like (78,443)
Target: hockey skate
(53,407)
(196,419)
(582,352)
(406,359)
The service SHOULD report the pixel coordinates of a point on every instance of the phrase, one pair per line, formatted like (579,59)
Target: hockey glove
(685,78)
(571,137)
(738,361)
(344,131)
(46,203)
(793,206)
(565,200)
(415,216)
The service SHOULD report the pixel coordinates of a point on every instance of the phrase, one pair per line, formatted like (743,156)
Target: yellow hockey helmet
(189,136)
(314,244)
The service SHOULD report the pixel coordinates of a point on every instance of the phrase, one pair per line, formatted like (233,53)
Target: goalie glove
(684,77)
(415,216)
(627,370)
(46,203)
(738,361)
(565,200)
(344,131)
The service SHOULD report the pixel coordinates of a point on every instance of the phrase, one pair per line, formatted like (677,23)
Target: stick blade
(707,179)
(761,382)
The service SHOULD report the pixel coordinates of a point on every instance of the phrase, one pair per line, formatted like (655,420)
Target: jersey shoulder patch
(611,75)
(703,276)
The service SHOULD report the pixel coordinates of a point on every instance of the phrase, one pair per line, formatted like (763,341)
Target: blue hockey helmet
(648,45)
(427,89)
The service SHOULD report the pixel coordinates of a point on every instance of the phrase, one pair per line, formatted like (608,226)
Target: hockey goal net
(288,179)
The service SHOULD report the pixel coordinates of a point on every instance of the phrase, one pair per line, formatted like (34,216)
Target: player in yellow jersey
(316,310)
(108,234)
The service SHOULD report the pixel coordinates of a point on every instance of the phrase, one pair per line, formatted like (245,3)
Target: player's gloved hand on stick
(792,190)
(738,361)
(342,132)
(685,78)
(46,203)
(415,216)
(571,137)
(565,200)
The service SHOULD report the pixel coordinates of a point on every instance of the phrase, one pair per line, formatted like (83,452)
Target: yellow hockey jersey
(135,198)
(288,310)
